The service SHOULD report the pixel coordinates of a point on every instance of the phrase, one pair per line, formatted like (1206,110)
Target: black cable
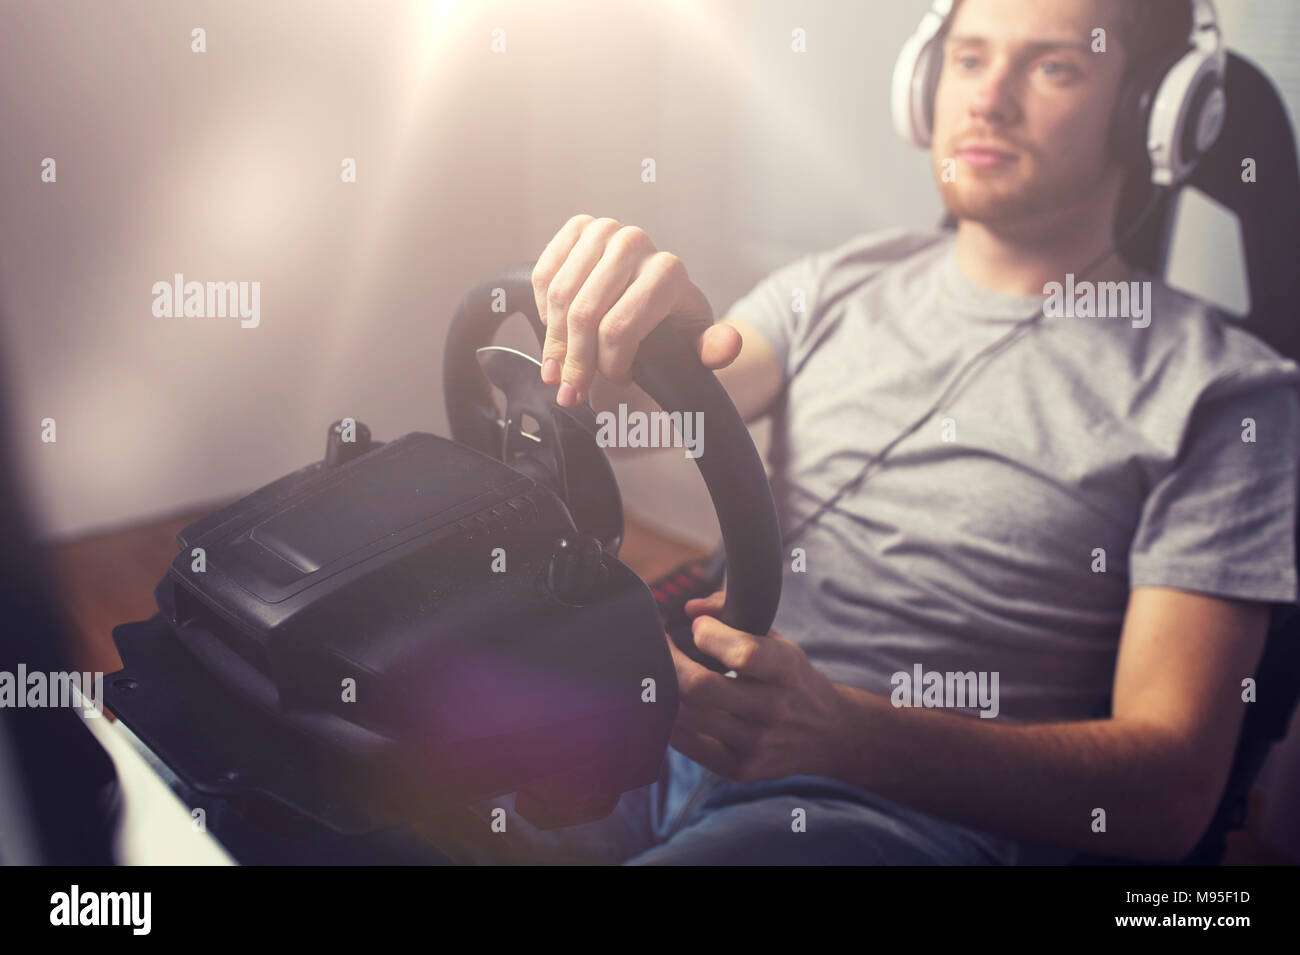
(1004,341)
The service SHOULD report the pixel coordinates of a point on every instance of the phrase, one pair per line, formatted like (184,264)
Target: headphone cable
(1016,332)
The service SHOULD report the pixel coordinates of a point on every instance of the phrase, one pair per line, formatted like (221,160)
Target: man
(1093,523)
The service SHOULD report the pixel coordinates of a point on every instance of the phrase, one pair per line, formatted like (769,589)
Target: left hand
(778,717)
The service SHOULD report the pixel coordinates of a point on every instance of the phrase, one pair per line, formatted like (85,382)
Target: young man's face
(1023,108)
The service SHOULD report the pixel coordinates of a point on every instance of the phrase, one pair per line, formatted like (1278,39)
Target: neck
(1021,257)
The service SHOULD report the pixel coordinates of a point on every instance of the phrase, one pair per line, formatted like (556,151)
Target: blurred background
(225,166)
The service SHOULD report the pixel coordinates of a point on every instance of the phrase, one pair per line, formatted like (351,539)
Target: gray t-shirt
(1085,458)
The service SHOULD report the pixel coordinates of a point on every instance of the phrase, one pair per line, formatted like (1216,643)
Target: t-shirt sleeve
(778,306)
(788,305)
(1222,520)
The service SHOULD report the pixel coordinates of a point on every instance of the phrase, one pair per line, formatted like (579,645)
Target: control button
(575,571)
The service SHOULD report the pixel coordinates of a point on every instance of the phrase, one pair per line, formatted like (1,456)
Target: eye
(967,61)
(1059,69)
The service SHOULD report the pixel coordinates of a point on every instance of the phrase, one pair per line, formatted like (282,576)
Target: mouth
(987,155)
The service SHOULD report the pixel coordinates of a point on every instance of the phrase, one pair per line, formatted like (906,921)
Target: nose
(993,98)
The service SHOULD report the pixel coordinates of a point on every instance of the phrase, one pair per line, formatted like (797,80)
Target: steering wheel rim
(671,373)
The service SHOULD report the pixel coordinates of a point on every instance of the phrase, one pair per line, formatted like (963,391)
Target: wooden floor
(109,579)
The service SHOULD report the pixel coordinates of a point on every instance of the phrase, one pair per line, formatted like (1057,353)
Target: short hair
(1148,29)
(1152,30)
(1151,33)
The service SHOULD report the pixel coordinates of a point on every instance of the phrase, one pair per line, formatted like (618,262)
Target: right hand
(601,288)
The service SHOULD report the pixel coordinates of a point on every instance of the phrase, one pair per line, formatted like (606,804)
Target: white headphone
(1169,112)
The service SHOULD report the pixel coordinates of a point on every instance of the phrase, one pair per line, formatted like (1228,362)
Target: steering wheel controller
(431,622)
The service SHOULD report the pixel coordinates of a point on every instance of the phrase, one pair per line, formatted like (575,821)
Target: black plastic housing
(349,650)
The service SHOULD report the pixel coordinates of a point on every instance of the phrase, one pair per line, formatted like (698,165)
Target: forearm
(1033,783)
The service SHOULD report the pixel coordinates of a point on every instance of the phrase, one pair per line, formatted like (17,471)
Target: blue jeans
(690,816)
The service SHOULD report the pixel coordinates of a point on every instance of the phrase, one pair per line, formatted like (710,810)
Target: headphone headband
(1204,21)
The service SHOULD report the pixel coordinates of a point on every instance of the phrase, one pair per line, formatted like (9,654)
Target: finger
(544,272)
(709,753)
(596,325)
(626,253)
(736,734)
(751,700)
(755,657)
(565,285)
(710,604)
(579,357)
(647,301)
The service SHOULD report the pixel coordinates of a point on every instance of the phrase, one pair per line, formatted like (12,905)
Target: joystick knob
(347,439)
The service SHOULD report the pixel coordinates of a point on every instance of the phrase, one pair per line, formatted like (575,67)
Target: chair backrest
(1267,206)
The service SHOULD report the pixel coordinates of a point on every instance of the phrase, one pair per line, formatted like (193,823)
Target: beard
(1001,196)
(1020,194)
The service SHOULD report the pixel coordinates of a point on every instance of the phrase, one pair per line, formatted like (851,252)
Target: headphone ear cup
(916,74)
(930,68)
(1130,121)
(1204,122)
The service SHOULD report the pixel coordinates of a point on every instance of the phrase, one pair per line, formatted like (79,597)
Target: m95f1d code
(1164,898)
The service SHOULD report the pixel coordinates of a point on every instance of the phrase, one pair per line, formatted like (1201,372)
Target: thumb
(718,346)
(710,604)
